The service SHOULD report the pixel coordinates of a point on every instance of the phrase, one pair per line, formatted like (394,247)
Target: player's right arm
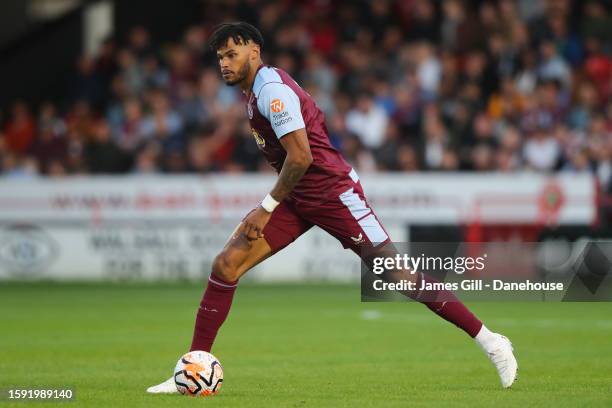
(281,106)
(278,103)
(295,165)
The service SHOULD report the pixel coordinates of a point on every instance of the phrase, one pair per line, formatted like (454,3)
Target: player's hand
(254,223)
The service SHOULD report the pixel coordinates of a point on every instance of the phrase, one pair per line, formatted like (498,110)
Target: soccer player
(315,186)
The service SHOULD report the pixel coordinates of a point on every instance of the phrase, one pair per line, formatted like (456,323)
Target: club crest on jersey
(277,106)
(260,140)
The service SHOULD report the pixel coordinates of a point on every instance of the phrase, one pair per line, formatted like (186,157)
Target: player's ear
(255,52)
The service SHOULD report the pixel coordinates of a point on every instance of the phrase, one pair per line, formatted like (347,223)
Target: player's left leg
(351,220)
(237,256)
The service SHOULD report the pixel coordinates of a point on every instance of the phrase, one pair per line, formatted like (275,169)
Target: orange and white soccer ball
(198,373)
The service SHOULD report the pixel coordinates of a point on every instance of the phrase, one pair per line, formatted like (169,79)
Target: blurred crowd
(411,85)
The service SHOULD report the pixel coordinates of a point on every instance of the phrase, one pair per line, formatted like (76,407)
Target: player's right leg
(236,258)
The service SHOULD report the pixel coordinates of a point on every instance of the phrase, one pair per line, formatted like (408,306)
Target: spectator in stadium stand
(598,68)
(317,71)
(586,102)
(80,121)
(510,148)
(368,121)
(459,29)
(75,160)
(552,65)
(102,155)
(20,131)
(147,159)
(106,64)
(386,155)
(357,155)
(49,120)
(213,99)
(600,147)
(423,23)
(596,21)
(195,44)
(130,72)
(87,83)
(428,69)
(436,138)
(130,132)
(139,43)
(182,69)
(199,155)
(245,156)
(163,123)
(450,160)
(482,157)
(19,167)
(407,159)
(50,147)
(541,150)
(154,74)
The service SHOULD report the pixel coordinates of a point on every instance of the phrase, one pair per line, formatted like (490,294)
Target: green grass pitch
(296,346)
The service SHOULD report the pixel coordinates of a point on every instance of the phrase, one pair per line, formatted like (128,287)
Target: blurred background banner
(164,227)
(413,198)
(123,154)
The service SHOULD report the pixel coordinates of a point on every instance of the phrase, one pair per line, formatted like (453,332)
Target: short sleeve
(281,106)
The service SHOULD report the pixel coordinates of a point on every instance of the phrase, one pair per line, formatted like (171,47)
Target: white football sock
(486,339)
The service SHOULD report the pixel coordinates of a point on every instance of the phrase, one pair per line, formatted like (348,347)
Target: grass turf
(296,346)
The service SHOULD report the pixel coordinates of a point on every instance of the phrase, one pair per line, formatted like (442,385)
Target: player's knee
(224,268)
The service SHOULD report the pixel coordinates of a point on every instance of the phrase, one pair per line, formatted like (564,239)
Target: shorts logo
(358,239)
(260,140)
(277,105)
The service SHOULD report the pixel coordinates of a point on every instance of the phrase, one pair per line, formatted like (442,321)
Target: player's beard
(241,75)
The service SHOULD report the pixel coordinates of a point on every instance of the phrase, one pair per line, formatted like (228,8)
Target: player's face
(234,61)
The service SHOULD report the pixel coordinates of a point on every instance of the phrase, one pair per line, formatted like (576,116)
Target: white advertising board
(166,227)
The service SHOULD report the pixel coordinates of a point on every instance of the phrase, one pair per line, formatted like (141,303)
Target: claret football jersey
(277,106)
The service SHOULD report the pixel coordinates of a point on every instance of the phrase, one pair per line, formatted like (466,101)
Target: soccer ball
(198,373)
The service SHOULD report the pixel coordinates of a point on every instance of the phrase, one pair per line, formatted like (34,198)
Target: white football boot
(167,387)
(500,352)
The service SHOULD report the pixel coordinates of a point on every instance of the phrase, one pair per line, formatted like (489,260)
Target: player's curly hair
(239,31)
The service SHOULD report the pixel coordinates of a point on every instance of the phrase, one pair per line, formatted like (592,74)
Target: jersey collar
(256,72)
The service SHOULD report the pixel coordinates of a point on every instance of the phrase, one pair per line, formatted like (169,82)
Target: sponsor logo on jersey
(260,140)
(280,119)
(277,105)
